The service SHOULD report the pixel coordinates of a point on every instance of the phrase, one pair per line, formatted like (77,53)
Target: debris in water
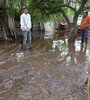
(50,84)
(58,86)
(54,85)
(20,56)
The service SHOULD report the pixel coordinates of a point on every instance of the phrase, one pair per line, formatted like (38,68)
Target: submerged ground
(52,70)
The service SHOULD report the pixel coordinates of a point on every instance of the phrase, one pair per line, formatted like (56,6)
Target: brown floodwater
(53,70)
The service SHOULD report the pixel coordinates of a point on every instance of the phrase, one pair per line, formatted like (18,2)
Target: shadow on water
(24,75)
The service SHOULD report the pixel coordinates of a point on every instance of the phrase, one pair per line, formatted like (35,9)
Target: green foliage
(1,4)
(42,9)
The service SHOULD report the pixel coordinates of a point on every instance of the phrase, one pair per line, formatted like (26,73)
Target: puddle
(2,62)
(26,75)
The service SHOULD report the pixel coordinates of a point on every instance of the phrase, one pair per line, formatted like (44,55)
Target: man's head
(25,10)
(85,13)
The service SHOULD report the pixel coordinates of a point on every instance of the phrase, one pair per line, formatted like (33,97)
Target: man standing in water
(25,22)
(84,27)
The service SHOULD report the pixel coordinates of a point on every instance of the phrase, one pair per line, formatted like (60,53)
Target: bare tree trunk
(4,33)
(4,25)
(4,5)
(4,22)
(73,33)
(72,27)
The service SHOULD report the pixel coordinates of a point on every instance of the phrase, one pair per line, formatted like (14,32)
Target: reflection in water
(74,53)
(77,45)
(81,57)
(48,35)
(20,57)
(77,53)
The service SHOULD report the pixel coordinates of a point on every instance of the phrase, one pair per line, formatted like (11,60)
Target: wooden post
(89,81)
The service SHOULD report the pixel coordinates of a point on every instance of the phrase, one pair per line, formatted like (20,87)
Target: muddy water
(52,70)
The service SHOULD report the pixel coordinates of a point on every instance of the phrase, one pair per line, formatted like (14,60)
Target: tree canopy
(43,9)
(62,6)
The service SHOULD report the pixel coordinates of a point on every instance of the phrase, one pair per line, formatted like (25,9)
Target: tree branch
(65,16)
(61,6)
(86,8)
(70,7)
(80,10)
(4,4)
(53,11)
(82,6)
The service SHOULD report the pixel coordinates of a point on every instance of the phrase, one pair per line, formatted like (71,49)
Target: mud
(27,75)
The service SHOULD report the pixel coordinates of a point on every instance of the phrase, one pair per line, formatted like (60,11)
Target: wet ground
(52,70)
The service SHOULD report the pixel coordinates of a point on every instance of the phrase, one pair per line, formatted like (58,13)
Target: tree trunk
(6,30)
(73,32)
(4,33)
(4,24)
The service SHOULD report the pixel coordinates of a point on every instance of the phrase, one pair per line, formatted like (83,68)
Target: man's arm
(29,22)
(88,22)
